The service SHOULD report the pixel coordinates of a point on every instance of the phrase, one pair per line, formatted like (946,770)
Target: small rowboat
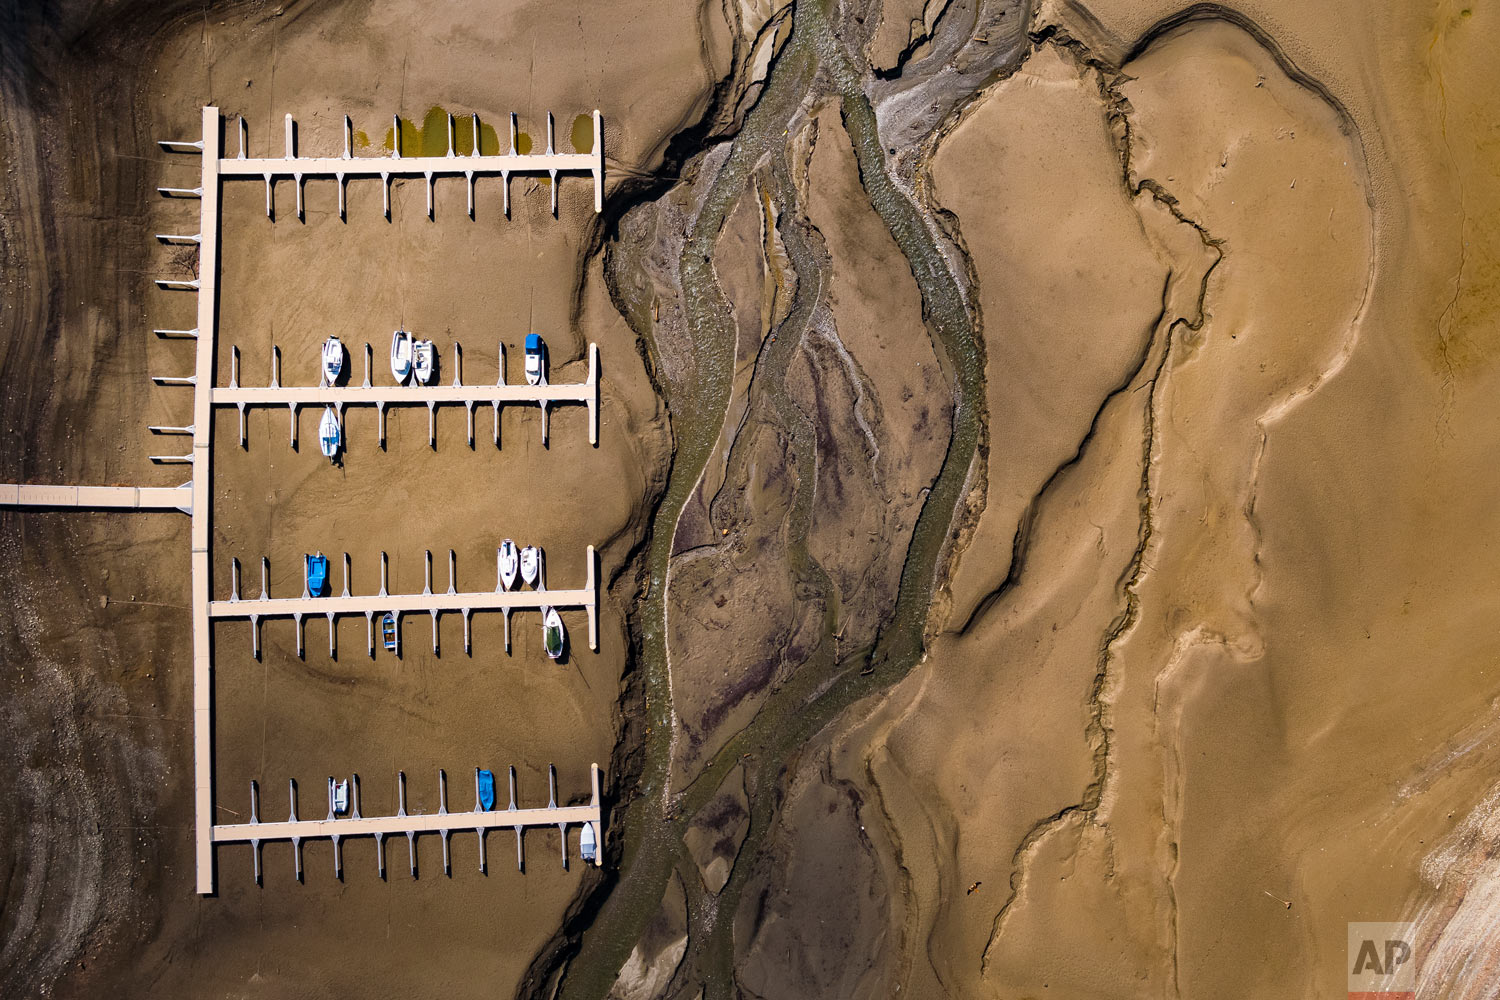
(423,360)
(531,566)
(484,784)
(330,435)
(333,360)
(553,635)
(536,360)
(401,345)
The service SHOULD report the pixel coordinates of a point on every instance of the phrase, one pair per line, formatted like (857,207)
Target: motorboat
(508,560)
(531,566)
(484,784)
(536,360)
(333,360)
(317,573)
(388,632)
(423,360)
(338,796)
(553,635)
(330,435)
(401,347)
(588,846)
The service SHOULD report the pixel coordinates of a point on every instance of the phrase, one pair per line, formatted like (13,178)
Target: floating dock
(296,168)
(432,396)
(410,825)
(193,498)
(434,604)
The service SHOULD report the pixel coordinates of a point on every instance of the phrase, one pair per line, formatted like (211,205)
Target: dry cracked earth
(1045,497)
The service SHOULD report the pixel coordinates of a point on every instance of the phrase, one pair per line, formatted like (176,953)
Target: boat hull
(317,574)
(554,636)
(588,846)
(330,435)
(531,565)
(423,361)
(536,360)
(401,345)
(333,359)
(508,560)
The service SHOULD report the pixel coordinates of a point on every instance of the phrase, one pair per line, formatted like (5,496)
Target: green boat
(553,636)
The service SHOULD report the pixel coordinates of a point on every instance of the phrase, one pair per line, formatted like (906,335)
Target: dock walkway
(342,168)
(98,497)
(194,498)
(410,825)
(381,396)
(433,603)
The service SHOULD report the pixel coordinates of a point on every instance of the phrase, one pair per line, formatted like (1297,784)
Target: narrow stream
(794,713)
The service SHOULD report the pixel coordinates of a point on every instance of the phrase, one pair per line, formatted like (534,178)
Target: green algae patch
(431,137)
(583,134)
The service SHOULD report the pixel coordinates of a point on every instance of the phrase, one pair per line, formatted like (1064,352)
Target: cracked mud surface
(1045,499)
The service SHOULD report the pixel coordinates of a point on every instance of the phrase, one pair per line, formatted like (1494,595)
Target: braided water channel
(821,688)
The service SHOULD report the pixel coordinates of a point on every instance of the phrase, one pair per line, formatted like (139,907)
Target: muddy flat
(1042,499)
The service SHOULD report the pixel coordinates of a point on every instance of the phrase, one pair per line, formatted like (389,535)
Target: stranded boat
(401,345)
(317,573)
(330,436)
(338,796)
(423,360)
(484,781)
(531,566)
(388,631)
(333,359)
(553,635)
(587,846)
(536,360)
(508,562)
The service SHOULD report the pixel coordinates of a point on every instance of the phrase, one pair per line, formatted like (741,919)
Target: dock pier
(381,396)
(453,601)
(411,825)
(194,497)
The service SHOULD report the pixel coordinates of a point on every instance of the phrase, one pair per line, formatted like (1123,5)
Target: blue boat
(536,360)
(388,631)
(317,574)
(485,781)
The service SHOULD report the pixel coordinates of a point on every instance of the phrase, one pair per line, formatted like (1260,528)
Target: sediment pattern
(1010,419)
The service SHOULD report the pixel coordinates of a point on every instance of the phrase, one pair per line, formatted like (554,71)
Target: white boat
(401,356)
(531,565)
(330,437)
(423,360)
(536,360)
(333,360)
(338,796)
(509,561)
(588,846)
(553,635)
